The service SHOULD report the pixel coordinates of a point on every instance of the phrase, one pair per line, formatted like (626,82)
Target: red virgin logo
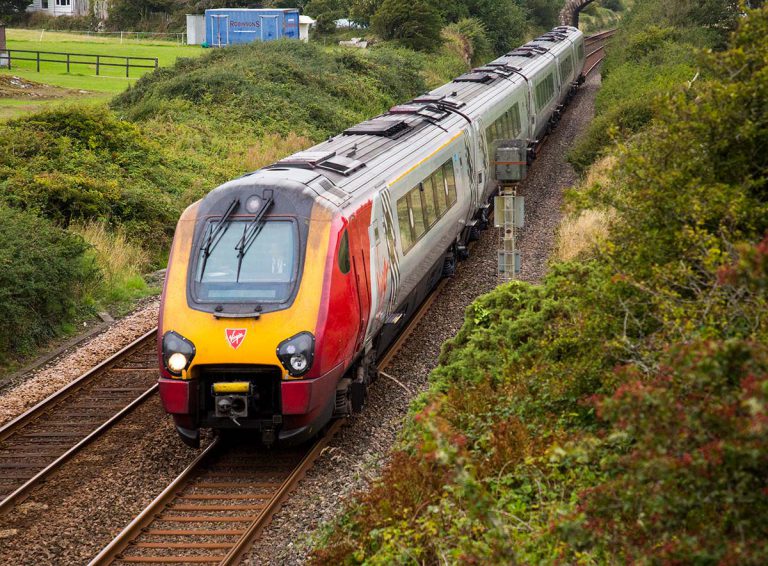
(235,336)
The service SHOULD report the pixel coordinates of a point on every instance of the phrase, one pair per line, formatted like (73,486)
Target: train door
(383,266)
(471,156)
(484,158)
(268,28)
(360,255)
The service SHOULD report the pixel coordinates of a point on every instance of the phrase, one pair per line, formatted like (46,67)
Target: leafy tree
(361,11)
(413,23)
(326,12)
(505,22)
(11,8)
(543,13)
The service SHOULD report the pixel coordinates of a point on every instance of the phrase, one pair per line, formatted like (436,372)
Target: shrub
(472,32)
(42,276)
(691,488)
(412,23)
(82,163)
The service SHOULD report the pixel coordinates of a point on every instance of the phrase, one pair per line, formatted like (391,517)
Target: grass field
(111,80)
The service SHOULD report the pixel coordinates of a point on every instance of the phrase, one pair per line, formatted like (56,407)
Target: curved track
(40,440)
(595,45)
(217,507)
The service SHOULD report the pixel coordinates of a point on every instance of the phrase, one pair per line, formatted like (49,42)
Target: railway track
(216,508)
(37,442)
(595,46)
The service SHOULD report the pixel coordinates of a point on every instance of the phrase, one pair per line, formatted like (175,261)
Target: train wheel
(449,263)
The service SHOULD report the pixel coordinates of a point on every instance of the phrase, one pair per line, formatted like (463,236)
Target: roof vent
(379,127)
(340,164)
(500,70)
(475,78)
(306,159)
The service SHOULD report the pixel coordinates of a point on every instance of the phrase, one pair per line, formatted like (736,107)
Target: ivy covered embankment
(618,411)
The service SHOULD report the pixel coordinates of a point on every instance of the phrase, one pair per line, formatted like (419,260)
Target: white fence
(124,36)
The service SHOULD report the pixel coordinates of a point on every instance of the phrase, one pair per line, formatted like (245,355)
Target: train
(285,285)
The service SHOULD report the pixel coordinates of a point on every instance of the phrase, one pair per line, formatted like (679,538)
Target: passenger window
(450,182)
(414,198)
(428,194)
(344,263)
(516,128)
(404,222)
(439,182)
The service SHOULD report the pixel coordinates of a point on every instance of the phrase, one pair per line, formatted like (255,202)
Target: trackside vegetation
(618,411)
(89,196)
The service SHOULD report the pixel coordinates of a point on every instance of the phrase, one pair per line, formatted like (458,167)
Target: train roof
(379,148)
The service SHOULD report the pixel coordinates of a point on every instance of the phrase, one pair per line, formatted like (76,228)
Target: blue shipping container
(228,26)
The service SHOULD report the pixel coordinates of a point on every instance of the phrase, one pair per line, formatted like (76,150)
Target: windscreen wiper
(216,233)
(252,230)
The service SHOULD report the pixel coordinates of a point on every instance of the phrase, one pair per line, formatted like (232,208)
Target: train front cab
(258,338)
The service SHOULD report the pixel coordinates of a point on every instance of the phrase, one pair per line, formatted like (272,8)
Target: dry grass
(273,147)
(600,172)
(120,262)
(581,233)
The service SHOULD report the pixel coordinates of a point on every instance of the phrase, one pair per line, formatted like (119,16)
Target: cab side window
(344,262)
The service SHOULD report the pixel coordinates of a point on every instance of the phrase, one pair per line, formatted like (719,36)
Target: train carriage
(285,285)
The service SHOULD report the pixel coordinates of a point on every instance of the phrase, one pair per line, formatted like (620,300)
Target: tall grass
(273,147)
(120,262)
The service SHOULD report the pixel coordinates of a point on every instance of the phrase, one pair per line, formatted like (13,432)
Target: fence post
(98,61)
(156,64)
(67,63)
(127,66)
(38,61)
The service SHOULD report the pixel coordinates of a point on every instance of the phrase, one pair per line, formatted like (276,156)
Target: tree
(9,9)
(415,24)
(505,22)
(326,12)
(361,11)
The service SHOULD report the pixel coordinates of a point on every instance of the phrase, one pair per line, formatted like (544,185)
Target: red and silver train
(284,285)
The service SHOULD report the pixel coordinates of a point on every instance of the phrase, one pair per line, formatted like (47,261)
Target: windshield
(266,272)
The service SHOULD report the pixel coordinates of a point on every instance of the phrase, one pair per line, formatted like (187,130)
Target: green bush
(656,50)
(414,24)
(43,269)
(81,163)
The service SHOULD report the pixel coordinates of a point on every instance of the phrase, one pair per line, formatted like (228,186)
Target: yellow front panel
(231,387)
(262,335)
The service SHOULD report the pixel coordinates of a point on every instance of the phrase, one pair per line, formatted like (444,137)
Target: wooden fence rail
(11,56)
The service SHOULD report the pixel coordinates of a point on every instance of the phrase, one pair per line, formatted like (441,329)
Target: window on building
(427,202)
(45,4)
(63,2)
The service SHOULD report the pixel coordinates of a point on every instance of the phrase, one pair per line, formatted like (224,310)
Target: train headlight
(177,362)
(296,353)
(177,352)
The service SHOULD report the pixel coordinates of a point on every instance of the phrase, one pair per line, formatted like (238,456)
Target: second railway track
(37,442)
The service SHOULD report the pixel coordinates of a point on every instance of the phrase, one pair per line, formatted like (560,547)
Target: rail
(12,56)
(596,43)
(39,441)
(224,485)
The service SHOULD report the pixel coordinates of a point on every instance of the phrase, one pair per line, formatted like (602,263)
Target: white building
(70,7)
